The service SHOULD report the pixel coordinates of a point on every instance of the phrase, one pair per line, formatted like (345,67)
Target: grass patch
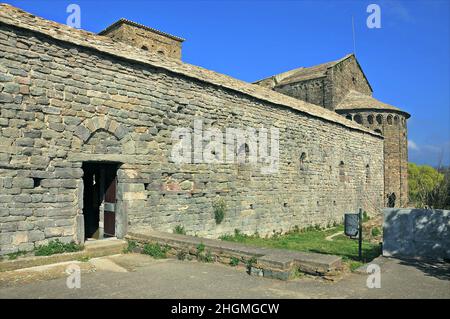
(84,259)
(234,261)
(179,230)
(57,247)
(202,255)
(131,245)
(156,250)
(13,256)
(219,208)
(313,240)
(376,232)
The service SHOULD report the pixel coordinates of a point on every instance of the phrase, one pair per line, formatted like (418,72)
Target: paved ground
(140,276)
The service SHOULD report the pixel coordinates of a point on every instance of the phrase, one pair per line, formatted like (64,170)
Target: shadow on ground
(433,268)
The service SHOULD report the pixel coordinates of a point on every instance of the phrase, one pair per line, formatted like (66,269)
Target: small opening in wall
(146,185)
(251,206)
(144,47)
(358,119)
(379,119)
(370,119)
(341,171)
(349,117)
(285,204)
(36,182)
(396,120)
(334,203)
(389,119)
(302,161)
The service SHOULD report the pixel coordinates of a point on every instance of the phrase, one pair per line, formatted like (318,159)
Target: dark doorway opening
(99,199)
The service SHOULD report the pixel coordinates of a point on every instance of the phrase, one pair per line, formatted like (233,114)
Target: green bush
(155,250)
(376,231)
(13,256)
(130,247)
(234,261)
(202,256)
(181,255)
(205,257)
(200,248)
(251,262)
(57,247)
(179,230)
(219,208)
(428,186)
(365,217)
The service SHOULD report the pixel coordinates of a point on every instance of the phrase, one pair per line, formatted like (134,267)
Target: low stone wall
(265,262)
(416,233)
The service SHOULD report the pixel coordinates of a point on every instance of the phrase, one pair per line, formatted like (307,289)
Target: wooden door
(110,207)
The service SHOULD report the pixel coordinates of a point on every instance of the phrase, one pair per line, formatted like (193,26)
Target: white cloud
(412,145)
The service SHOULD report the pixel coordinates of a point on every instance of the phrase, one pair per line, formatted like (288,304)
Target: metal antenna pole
(354,38)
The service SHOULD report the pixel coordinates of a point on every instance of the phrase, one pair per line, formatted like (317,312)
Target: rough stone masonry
(70,97)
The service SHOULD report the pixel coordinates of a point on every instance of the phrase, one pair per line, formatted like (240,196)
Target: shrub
(365,217)
(376,231)
(234,261)
(13,256)
(57,247)
(130,247)
(155,250)
(206,258)
(202,256)
(181,255)
(219,208)
(179,230)
(251,262)
(200,248)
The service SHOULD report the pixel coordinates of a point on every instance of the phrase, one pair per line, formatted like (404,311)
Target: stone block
(22,182)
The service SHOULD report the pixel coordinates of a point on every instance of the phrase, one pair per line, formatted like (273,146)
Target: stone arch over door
(90,132)
(88,127)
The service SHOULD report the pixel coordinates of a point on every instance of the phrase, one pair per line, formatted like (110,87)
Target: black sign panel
(351,224)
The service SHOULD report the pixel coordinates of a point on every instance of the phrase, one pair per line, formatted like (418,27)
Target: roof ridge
(139,25)
(18,18)
(355,100)
(304,68)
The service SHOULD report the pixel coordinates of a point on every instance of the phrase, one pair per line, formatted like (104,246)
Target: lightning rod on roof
(353,32)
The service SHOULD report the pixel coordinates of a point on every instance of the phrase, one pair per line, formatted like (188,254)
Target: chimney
(144,38)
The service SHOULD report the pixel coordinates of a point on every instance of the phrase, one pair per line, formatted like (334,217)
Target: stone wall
(326,90)
(145,39)
(343,77)
(416,233)
(311,91)
(392,125)
(63,104)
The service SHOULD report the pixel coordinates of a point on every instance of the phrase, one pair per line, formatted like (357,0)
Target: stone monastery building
(86,127)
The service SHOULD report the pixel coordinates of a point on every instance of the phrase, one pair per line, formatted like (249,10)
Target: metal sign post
(360,234)
(353,228)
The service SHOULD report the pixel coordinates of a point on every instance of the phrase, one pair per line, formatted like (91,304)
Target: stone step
(270,262)
(96,248)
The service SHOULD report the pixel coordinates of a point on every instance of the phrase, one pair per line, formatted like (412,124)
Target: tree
(427,187)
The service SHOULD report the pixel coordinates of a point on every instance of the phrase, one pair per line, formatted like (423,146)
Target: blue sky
(406,60)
